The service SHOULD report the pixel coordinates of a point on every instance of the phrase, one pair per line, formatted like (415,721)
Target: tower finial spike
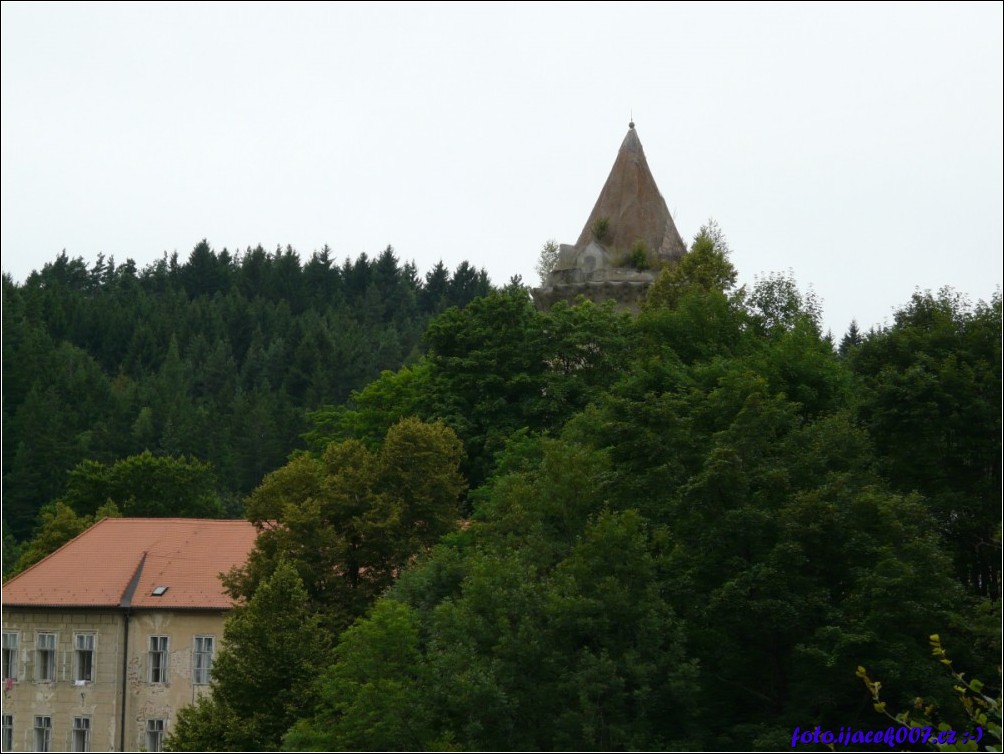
(631,122)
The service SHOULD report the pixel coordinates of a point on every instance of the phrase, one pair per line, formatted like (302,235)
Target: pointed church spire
(632,206)
(630,215)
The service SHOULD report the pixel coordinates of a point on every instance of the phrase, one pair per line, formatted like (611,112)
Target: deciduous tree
(350,519)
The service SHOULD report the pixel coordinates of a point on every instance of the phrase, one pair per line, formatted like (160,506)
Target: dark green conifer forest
(200,372)
(494,528)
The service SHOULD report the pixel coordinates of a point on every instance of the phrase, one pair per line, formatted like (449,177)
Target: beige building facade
(102,680)
(111,677)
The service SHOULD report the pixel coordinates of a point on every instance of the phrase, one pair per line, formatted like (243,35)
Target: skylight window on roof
(159,590)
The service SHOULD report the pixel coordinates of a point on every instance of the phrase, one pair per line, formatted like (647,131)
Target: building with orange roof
(106,638)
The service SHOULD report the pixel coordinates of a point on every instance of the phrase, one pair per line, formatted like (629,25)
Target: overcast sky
(859,146)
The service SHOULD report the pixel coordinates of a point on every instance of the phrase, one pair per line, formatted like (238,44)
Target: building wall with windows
(45,678)
(77,685)
(111,675)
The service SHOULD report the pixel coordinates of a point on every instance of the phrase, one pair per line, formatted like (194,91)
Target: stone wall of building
(67,697)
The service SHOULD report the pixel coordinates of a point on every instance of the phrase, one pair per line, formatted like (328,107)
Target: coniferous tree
(273,648)
(213,355)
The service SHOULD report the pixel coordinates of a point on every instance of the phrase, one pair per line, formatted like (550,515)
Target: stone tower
(628,237)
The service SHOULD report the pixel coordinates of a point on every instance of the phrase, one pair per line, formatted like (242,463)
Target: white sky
(858,145)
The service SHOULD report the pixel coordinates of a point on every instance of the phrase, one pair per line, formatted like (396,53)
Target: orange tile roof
(97,568)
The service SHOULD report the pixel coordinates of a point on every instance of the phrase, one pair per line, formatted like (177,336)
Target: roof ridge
(176,519)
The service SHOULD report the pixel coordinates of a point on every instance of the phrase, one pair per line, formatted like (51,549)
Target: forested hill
(217,357)
(573,529)
(683,530)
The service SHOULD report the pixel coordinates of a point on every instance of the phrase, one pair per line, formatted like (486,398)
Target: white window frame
(11,640)
(42,738)
(46,643)
(8,733)
(159,657)
(203,654)
(84,644)
(155,734)
(81,736)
